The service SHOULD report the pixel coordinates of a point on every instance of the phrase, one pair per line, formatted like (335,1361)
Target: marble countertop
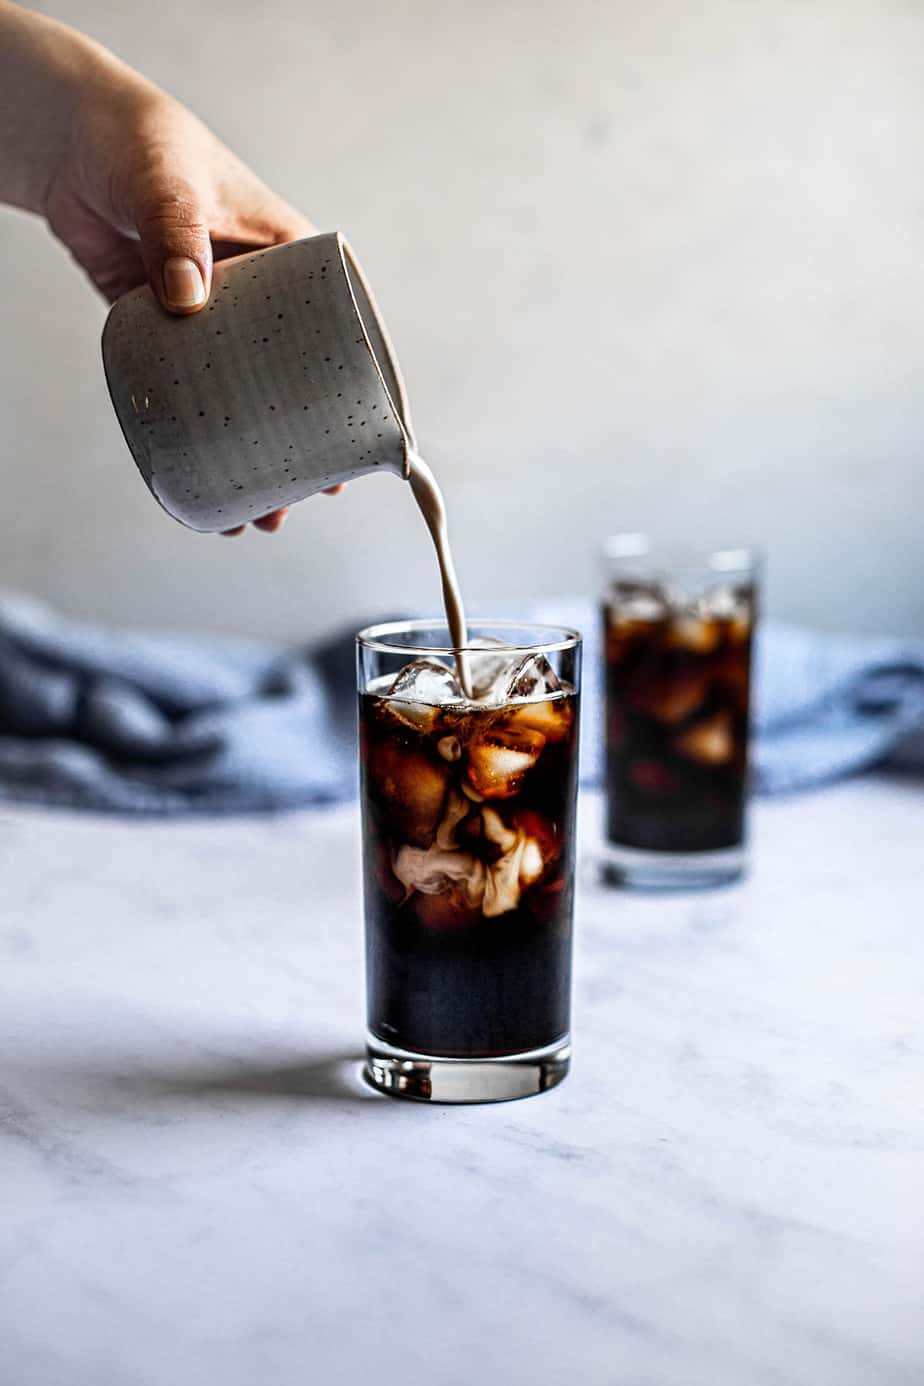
(727,1191)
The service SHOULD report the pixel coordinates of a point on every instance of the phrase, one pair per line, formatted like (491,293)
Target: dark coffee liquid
(677,691)
(468,817)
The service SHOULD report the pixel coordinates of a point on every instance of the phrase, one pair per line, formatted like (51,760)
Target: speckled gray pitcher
(285,383)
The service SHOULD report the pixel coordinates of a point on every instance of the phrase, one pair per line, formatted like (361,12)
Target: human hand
(150,192)
(147,191)
(130,181)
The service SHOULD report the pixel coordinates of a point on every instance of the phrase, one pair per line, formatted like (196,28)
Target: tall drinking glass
(468,808)
(677,637)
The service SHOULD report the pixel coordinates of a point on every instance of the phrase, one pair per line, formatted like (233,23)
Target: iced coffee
(677,652)
(468,839)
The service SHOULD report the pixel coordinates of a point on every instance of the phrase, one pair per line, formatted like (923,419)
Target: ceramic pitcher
(284,384)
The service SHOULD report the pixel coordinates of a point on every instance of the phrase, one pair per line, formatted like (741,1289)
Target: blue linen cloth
(169,723)
(173,723)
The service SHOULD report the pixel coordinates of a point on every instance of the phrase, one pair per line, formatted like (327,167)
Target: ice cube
(426,681)
(542,838)
(418,716)
(531,863)
(553,717)
(533,677)
(500,756)
(642,602)
(489,665)
(711,742)
(411,787)
(503,678)
(694,634)
(739,628)
(668,697)
(723,603)
(632,621)
(418,690)
(733,606)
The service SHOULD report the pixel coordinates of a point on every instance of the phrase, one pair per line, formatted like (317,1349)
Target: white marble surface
(727,1191)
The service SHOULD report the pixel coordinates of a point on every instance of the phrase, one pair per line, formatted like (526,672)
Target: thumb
(175,245)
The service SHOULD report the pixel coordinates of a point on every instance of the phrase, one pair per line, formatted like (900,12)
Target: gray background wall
(647,263)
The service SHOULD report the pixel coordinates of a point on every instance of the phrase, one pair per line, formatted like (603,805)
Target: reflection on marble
(196,1186)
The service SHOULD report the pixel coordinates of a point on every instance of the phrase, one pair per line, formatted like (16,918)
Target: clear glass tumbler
(468,809)
(678,632)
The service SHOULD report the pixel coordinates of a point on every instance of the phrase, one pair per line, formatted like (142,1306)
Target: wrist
(48,72)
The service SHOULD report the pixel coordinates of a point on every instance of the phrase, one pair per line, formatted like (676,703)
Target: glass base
(428,1078)
(637,869)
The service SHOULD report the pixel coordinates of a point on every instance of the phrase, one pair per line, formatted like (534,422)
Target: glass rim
(376,637)
(639,547)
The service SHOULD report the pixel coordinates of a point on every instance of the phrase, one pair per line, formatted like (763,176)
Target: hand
(149,192)
(146,191)
(129,180)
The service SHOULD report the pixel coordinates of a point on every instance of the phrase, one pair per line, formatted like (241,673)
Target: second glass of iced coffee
(677,629)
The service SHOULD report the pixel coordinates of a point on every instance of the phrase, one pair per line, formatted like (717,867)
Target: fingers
(273,522)
(109,258)
(270,233)
(112,263)
(175,244)
(268,523)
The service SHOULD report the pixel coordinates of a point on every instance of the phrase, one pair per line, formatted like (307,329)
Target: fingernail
(183,286)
